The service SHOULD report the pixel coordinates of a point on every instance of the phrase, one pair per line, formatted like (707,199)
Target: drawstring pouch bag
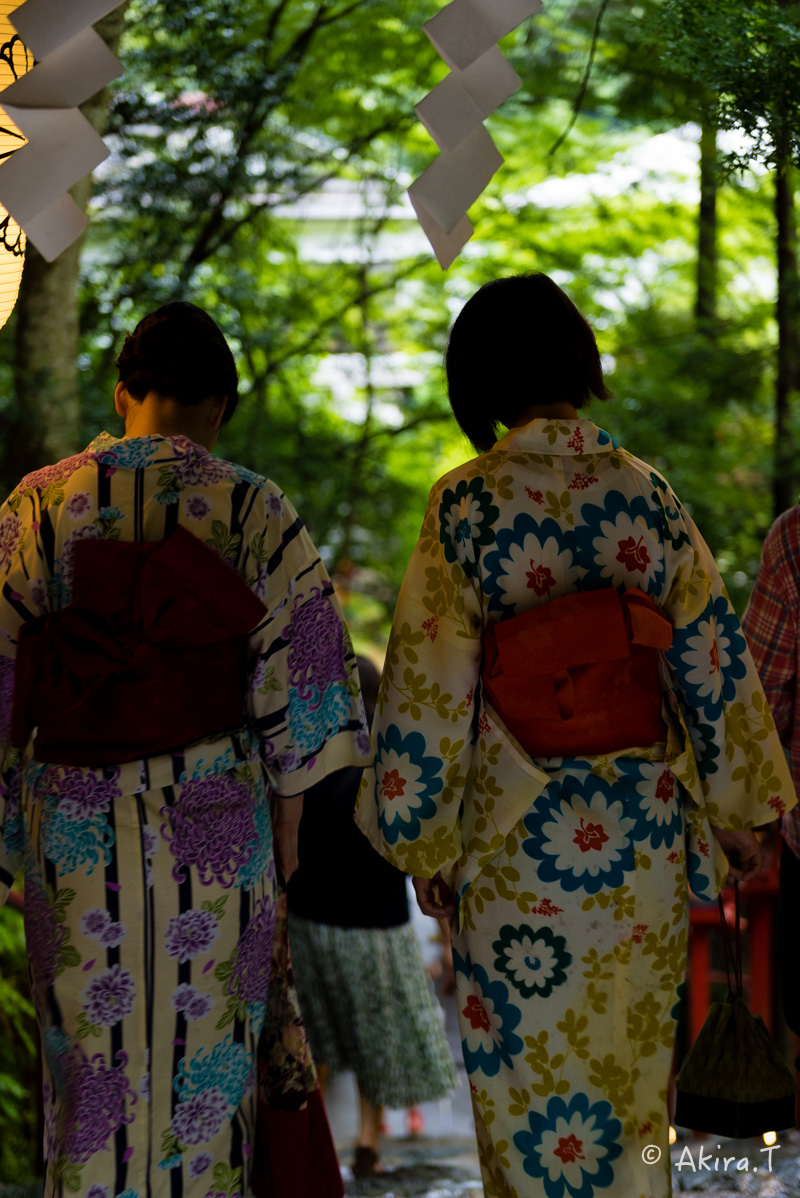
(734,1081)
(295,1156)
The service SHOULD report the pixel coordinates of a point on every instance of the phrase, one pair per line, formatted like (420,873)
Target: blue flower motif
(533,960)
(580,835)
(256,1012)
(165,498)
(251,873)
(171,1162)
(697,876)
(249,476)
(132,1193)
(532,560)
(619,543)
(604,438)
(466,516)
(226,1067)
(132,452)
(487,1019)
(110,513)
(313,720)
(708,658)
(672,525)
(570,1148)
(406,782)
(651,795)
(71,843)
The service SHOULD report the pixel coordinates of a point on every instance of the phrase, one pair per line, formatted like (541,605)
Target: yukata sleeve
(23,592)
(304,700)
(770,625)
(423,733)
(732,764)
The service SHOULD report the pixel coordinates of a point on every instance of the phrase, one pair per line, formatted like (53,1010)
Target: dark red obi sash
(149,656)
(579,675)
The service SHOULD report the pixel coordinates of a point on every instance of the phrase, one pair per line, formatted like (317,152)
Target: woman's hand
(286,815)
(741,847)
(434,897)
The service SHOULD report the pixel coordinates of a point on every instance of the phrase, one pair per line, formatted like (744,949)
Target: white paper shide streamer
(73,63)
(465,34)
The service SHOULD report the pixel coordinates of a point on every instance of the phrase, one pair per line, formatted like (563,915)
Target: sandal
(366,1162)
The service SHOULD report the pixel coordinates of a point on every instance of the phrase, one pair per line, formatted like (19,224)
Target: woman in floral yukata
(565,874)
(150,879)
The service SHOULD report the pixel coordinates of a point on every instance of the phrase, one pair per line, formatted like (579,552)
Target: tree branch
(576,107)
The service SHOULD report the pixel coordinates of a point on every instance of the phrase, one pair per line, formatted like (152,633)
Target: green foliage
(18,1052)
(747,55)
(232,125)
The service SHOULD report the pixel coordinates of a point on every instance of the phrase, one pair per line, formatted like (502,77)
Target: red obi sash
(579,675)
(149,656)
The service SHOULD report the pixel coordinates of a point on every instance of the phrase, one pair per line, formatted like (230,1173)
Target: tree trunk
(43,424)
(787,313)
(705,308)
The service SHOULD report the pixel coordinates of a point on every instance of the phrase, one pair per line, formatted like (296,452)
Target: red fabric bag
(150,655)
(579,675)
(295,1156)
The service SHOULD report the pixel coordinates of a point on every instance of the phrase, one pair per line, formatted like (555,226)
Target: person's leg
(323,1077)
(370,1119)
(366,1161)
(788,958)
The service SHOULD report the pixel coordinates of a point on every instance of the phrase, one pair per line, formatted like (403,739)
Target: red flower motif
(392,785)
(545,907)
(470,693)
(570,1149)
(638,932)
(672,857)
(576,441)
(589,836)
(581,481)
(483,724)
(475,1012)
(703,847)
(778,806)
(633,554)
(714,659)
(474,1088)
(664,787)
(431,627)
(536,496)
(645,1129)
(540,579)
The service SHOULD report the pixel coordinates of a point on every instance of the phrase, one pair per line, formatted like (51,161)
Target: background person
(364,993)
(567,858)
(149,867)
(770,624)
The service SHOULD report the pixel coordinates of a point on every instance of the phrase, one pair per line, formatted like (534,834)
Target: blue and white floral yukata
(150,887)
(570,873)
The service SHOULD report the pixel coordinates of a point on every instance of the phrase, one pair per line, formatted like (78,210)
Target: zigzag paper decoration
(465,35)
(75,63)
(15,61)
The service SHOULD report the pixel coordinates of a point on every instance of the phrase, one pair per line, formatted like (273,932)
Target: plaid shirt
(770,624)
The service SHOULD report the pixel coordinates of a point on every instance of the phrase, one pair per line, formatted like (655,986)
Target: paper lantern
(15,61)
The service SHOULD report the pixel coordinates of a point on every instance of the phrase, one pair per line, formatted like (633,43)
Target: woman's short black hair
(518,341)
(179,351)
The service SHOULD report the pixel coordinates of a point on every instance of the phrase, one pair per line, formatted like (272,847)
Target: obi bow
(150,655)
(580,674)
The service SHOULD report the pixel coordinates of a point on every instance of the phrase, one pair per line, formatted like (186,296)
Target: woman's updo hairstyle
(518,341)
(180,352)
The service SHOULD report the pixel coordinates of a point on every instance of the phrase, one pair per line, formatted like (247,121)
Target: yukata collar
(559,438)
(154,445)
